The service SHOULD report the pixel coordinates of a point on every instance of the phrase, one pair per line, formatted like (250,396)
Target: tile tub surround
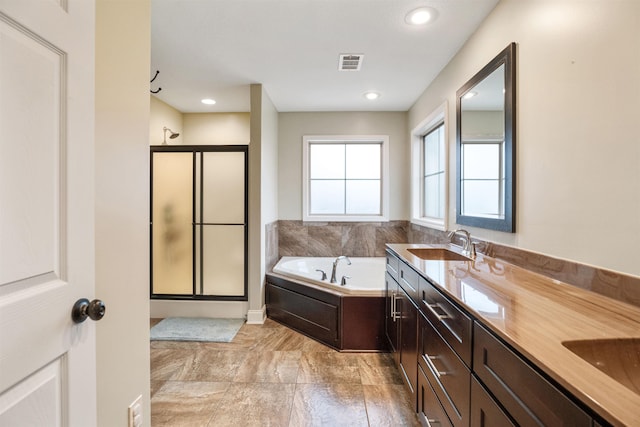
(535,315)
(271,242)
(328,239)
(297,238)
(271,375)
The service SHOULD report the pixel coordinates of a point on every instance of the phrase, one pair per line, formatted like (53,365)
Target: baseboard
(257,317)
(221,309)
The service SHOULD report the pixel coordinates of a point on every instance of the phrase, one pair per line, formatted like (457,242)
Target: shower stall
(198,219)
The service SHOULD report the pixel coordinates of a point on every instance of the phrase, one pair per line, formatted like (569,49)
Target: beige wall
(578,156)
(216,128)
(262,193)
(197,128)
(122,206)
(293,126)
(164,115)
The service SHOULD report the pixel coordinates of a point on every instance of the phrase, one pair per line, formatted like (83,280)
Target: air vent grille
(350,62)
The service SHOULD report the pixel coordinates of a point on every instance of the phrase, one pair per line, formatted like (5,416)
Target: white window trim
(439,115)
(307,139)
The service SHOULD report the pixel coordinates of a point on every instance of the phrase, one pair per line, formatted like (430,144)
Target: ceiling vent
(350,62)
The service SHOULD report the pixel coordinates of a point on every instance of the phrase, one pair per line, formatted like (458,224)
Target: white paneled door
(47,361)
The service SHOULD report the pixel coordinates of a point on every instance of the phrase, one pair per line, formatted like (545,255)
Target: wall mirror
(486,145)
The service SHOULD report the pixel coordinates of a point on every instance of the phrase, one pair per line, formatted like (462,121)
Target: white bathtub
(367,274)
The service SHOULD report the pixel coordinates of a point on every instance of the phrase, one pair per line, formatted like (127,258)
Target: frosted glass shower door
(172,223)
(199,222)
(221,224)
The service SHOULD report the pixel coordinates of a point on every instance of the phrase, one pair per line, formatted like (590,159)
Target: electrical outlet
(135,412)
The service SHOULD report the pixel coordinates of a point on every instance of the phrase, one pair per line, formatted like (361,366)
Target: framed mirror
(486,145)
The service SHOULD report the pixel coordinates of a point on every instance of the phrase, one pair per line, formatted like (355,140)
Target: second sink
(618,358)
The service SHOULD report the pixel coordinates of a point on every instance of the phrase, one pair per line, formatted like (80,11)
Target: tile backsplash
(367,239)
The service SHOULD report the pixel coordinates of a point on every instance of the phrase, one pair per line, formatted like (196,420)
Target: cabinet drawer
(485,412)
(408,279)
(449,377)
(528,397)
(451,322)
(392,265)
(430,412)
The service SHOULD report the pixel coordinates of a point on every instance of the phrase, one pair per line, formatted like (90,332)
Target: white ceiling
(217,48)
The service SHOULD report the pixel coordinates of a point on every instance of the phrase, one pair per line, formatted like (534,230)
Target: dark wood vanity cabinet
(448,375)
(529,399)
(391,325)
(430,411)
(485,412)
(408,341)
(460,373)
(401,323)
(453,324)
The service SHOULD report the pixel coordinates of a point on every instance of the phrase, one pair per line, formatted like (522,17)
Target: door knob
(83,309)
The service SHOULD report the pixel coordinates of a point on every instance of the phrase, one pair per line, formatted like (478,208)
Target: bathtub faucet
(335,264)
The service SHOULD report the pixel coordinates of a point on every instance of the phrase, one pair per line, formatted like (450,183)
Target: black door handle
(83,309)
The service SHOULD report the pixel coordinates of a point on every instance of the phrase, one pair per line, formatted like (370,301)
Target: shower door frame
(195,149)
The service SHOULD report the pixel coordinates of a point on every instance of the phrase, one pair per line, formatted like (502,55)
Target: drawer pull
(395,315)
(432,309)
(433,423)
(432,366)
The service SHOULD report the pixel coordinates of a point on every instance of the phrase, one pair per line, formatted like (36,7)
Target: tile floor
(270,375)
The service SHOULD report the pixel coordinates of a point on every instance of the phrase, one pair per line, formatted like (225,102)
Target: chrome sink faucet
(469,247)
(335,264)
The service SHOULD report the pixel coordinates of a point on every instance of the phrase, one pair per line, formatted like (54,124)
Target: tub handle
(343,282)
(324,275)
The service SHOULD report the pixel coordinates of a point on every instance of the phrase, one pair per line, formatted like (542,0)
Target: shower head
(172,134)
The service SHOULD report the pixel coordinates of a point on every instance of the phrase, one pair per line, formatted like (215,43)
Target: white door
(47,362)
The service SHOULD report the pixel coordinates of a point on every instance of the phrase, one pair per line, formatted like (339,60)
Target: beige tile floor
(270,375)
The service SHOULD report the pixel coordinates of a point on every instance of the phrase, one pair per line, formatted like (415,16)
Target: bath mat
(196,329)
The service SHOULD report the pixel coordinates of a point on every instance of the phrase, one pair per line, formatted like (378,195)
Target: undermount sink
(437,254)
(619,358)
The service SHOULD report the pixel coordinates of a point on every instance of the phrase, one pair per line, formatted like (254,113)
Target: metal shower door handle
(83,309)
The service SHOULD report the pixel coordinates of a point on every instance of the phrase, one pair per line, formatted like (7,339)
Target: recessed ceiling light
(469,95)
(420,16)
(208,101)
(371,95)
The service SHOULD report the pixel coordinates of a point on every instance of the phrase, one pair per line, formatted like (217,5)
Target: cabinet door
(430,412)
(446,373)
(391,318)
(529,398)
(408,340)
(485,412)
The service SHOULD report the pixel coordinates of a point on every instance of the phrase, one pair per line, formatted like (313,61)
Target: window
(483,181)
(345,178)
(429,171)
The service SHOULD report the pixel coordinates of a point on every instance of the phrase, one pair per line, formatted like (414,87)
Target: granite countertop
(536,314)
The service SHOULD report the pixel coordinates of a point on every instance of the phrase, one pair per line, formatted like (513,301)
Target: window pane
(223,263)
(441,160)
(363,161)
(363,197)
(481,198)
(433,196)
(327,197)
(432,149)
(486,161)
(223,186)
(326,161)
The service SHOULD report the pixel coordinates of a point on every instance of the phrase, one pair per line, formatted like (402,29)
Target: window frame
(383,140)
(438,117)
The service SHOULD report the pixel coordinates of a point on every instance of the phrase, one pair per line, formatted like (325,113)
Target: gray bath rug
(196,329)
